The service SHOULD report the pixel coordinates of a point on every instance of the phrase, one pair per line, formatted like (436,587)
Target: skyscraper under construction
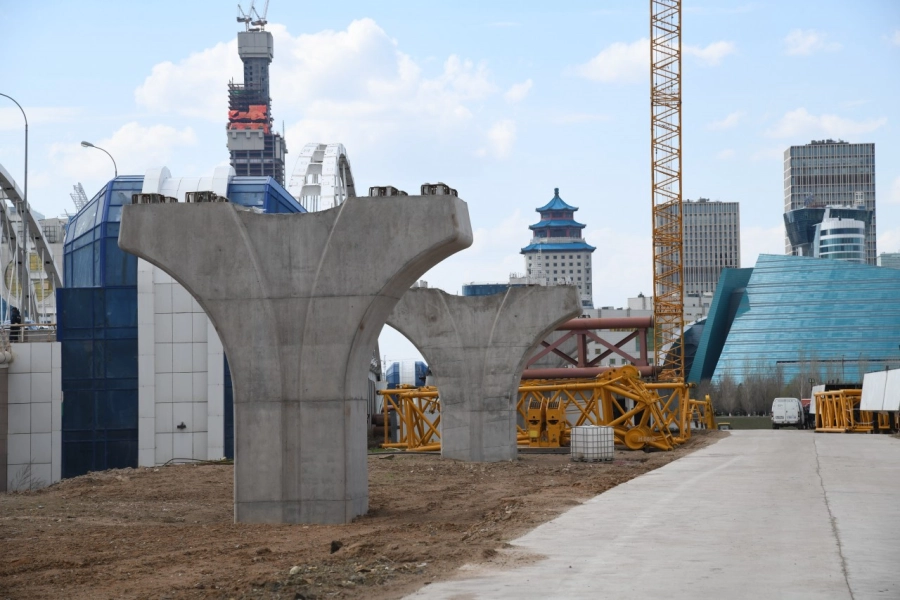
(255,148)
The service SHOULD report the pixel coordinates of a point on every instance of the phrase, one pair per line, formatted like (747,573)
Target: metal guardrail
(27,333)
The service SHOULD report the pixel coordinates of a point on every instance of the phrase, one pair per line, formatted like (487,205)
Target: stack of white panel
(881,391)
(592,443)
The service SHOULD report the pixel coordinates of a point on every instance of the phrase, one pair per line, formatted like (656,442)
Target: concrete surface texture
(760,514)
(476,347)
(298,301)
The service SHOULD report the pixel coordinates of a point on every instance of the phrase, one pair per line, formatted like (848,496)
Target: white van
(787,412)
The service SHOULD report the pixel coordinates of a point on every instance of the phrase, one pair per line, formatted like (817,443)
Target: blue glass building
(97,326)
(484,289)
(809,317)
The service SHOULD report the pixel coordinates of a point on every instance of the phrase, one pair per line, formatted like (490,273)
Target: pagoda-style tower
(557,254)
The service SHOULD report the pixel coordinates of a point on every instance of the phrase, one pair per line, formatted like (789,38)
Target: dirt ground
(168,533)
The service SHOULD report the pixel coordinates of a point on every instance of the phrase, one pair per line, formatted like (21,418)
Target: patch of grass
(747,422)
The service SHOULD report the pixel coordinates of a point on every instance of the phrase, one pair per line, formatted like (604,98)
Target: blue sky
(503,101)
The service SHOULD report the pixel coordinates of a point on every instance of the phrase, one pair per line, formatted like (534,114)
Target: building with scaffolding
(256,149)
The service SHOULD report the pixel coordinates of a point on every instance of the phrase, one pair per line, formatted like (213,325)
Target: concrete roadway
(760,514)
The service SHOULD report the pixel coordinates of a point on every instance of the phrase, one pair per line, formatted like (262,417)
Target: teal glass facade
(808,316)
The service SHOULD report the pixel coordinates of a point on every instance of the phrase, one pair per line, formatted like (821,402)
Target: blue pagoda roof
(557,247)
(557,223)
(556,203)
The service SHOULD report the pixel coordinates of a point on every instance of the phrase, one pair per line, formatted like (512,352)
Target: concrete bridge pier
(476,348)
(299,301)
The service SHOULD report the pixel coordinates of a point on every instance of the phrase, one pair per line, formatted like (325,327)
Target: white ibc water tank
(592,443)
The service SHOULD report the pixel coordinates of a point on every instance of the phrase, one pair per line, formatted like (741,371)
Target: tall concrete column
(476,348)
(298,301)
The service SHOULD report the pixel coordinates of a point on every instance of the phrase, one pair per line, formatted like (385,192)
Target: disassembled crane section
(838,411)
(549,409)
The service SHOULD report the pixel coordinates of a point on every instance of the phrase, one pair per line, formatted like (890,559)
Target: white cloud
(894,194)
(760,240)
(799,123)
(517,92)
(712,54)
(895,39)
(630,63)
(500,137)
(801,42)
(618,63)
(193,87)
(726,154)
(728,122)
(353,86)
(134,147)
(11,117)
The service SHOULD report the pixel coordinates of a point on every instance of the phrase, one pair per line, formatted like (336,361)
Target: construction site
(201,412)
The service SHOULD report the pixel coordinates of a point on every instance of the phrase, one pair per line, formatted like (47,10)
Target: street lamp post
(23,215)
(90,145)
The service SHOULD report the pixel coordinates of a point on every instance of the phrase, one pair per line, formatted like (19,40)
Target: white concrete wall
(34,428)
(176,345)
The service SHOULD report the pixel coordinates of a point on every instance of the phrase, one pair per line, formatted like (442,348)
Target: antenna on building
(78,196)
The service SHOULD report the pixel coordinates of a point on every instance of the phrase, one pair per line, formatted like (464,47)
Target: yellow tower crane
(665,127)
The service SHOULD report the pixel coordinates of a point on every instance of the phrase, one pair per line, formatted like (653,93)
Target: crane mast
(668,240)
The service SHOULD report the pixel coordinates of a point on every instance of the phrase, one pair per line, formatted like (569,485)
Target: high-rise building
(557,254)
(712,242)
(890,260)
(255,148)
(828,231)
(829,173)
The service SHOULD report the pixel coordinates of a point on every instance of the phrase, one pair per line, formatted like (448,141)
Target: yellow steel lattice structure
(837,411)
(665,127)
(638,412)
(418,421)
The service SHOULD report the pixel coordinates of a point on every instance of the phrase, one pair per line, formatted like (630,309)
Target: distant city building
(484,289)
(829,232)
(557,254)
(890,260)
(256,150)
(712,242)
(829,173)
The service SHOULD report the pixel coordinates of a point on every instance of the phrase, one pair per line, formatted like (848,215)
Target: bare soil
(167,532)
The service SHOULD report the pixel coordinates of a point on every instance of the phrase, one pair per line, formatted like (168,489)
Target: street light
(23,267)
(90,145)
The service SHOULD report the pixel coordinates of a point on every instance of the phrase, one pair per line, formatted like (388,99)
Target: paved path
(760,514)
